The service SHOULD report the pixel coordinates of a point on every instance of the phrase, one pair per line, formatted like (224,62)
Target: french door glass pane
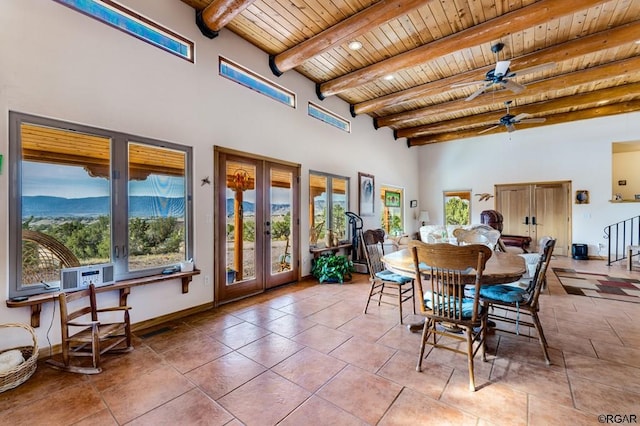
(339,197)
(240,195)
(317,208)
(281,202)
(65,199)
(157,194)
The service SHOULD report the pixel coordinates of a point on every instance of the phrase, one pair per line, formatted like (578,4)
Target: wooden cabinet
(536,210)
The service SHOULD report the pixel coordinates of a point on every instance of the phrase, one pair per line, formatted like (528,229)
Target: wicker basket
(20,373)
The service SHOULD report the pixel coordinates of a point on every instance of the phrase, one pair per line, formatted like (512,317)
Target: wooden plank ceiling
(417,56)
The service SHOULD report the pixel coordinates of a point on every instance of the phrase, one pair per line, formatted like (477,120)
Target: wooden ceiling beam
(603,111)
(589,75)
(344,31)
(526,17)
(538,109)
(572,49)
(214,17)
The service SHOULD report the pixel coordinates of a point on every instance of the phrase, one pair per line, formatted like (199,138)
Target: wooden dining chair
(442,271)
(386,287)
(506,303)
(83,335)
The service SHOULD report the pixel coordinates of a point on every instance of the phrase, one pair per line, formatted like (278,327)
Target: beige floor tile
(270,350)
(361,393)
(487,401)
(596,398)
(191,408)
(145,392)
(363,354)
(430,382)
(264,400)
(289,325)
(224,374)
(56,408)
(317,412)
(414,408)
(239,335)
(194,354)
(309,368)
(321,338)
(543,412)
(618,375)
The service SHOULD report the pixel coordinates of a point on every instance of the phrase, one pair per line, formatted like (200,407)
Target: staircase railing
(620,235)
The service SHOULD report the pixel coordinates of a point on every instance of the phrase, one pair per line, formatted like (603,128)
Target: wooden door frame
(219,241)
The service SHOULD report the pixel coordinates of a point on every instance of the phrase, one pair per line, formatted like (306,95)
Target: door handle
(267,232)
(267,223)
(533,220)
(526,220)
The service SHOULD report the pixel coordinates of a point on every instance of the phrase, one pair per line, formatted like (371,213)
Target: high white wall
(58,63)
(579,151)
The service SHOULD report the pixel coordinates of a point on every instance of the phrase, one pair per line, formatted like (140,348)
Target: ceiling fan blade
(477,92)
(490,128)
(469,83)
(533,120)
(510,128)
(520,117)
(537,68)
(501,68)
(513,86)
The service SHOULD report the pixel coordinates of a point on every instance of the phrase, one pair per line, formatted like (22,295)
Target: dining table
(501,268)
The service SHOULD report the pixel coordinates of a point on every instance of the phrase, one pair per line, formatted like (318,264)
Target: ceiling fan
(502,76)
(509,120)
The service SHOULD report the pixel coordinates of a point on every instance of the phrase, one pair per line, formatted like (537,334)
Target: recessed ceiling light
(388,77)
(355,45)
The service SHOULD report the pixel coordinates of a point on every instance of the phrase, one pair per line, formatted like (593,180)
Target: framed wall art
(366,200)
(582,196)
(392,199)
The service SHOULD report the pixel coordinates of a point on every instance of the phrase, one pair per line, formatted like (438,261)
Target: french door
(537,210)
(256,229)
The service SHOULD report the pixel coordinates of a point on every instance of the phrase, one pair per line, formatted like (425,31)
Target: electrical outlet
(206,280)
(600,247)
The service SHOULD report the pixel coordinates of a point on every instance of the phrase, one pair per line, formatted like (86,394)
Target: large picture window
(87,196)
(328,203)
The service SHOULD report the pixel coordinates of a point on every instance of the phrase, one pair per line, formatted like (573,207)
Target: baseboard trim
(56,349)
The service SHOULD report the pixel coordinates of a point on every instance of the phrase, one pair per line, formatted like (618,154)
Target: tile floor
(305,354)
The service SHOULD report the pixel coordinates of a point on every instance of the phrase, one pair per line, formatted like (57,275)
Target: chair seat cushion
(391,276)
(503,293)
(467,305)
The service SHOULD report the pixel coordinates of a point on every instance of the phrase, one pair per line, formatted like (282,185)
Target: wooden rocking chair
(94,338)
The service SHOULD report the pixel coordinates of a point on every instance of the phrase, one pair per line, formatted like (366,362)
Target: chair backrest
(43,257)
(479,234)
(536,284)
(372,240)
(87,306)
(449,268)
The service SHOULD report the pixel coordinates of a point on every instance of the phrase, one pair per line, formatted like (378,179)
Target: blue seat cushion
(503,293)
(467,305)
(391,276)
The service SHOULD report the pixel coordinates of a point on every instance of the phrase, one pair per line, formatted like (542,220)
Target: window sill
(36,301)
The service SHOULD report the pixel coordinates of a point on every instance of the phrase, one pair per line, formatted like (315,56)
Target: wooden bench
(630,250)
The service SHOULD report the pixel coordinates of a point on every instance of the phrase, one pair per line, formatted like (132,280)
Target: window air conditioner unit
(79,278)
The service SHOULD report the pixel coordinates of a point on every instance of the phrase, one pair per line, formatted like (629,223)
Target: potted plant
(332,268)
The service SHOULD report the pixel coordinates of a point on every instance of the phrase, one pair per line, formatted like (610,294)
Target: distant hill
(250,208)
(43,206)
